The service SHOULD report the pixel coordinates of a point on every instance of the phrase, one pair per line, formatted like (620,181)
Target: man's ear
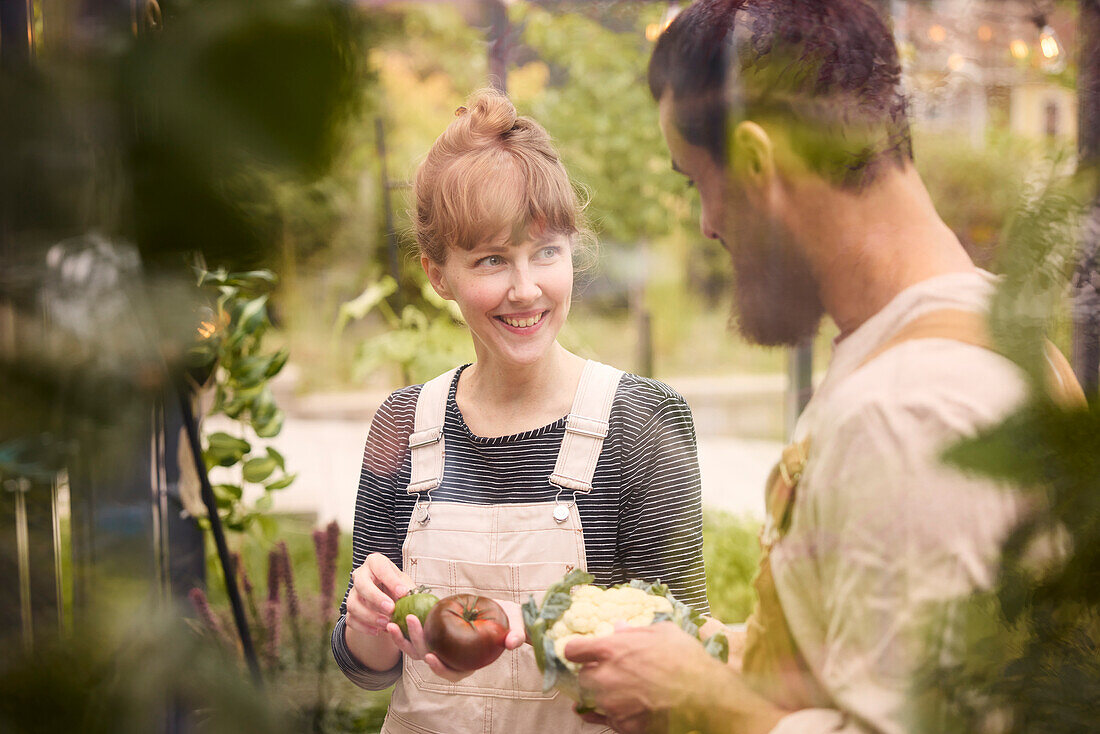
(752,155)
(435,277)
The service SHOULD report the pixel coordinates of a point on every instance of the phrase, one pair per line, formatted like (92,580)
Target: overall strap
(970,327)
(586,427)
(426,440)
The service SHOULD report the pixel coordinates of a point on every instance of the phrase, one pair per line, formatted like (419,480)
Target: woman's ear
(435,277)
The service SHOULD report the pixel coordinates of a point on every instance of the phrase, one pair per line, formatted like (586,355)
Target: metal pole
(498,44)
(19,487)
(800,367)
(55,522)
(219,534)
(1086,279)
(391,233)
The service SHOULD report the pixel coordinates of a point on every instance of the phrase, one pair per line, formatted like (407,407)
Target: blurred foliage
(976,190)
(121,673)
(291,592)
(212,133)
(1027,658)
(425,340)
(231,101)
(731,554)
(594,99)
(231,356)
(176,138)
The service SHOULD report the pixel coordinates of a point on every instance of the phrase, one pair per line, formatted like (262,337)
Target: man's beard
(776,297)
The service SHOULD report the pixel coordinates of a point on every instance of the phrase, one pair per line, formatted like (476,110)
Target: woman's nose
(524,287)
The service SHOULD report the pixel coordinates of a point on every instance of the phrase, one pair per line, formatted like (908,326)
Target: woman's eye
(549,252)
(491,261)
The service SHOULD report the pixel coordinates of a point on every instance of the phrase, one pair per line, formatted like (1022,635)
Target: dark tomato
(466,631)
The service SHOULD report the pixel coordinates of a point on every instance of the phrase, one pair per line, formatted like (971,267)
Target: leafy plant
(232,355)
(424,340)
(731,554)
(1027,658)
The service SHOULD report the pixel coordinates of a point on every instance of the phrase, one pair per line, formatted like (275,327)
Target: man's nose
(524,287)
(705,227)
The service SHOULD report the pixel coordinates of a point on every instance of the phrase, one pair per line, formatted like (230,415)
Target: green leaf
(250,370)
(265,503)
(365,302)
(253,279)
(223,441)
(283,483)
(210,278)
(277,362)
(413,318)
(252,316)
(277,457)
(228,491)
(224,450)
(234,408)
(258,469)
(271,428)
(718,646)
(263,407)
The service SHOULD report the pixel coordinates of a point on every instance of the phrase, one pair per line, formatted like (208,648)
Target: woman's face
(514,297)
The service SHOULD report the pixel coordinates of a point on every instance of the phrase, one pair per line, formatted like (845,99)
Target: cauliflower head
(595,612)
(573,607)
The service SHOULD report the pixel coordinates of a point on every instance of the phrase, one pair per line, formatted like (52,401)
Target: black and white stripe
(643,518)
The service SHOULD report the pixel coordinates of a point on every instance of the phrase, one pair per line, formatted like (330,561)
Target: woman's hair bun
(490,114)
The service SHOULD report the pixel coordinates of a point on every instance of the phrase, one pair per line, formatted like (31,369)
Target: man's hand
(640,674)
(643,678)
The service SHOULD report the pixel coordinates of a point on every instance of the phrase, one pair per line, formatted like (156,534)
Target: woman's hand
(376,585)
(416,646)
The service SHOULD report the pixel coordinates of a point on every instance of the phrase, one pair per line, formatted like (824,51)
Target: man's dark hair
(827,70)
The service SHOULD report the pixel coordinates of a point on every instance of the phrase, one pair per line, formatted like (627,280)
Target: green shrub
(731,553)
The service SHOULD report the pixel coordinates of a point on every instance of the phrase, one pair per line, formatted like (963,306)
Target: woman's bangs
(480,203)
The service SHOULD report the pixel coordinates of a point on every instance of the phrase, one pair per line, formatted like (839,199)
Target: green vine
(232,353)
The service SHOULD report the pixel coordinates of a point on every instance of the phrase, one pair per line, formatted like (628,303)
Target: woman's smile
(522,323)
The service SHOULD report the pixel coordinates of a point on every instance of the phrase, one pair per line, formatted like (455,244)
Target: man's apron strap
(426,440)
(586,427)
(970,327)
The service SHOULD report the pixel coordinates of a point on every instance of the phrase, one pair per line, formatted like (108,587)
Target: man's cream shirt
(882,533)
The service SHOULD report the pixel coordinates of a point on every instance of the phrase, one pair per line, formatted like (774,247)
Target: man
(788,117)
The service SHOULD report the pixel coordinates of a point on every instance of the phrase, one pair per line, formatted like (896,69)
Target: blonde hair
(492,174)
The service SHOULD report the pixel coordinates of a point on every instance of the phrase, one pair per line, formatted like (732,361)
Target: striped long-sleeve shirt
(641,520)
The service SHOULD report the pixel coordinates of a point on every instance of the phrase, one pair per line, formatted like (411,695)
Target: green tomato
(418,603)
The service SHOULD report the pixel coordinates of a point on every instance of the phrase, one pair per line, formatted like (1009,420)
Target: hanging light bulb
(1019,49)
(1052,55)
(653,31)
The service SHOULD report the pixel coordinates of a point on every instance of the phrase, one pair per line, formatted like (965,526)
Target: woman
(551,462)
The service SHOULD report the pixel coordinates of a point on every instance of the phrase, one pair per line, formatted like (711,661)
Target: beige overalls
(506,552)
(772,662)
